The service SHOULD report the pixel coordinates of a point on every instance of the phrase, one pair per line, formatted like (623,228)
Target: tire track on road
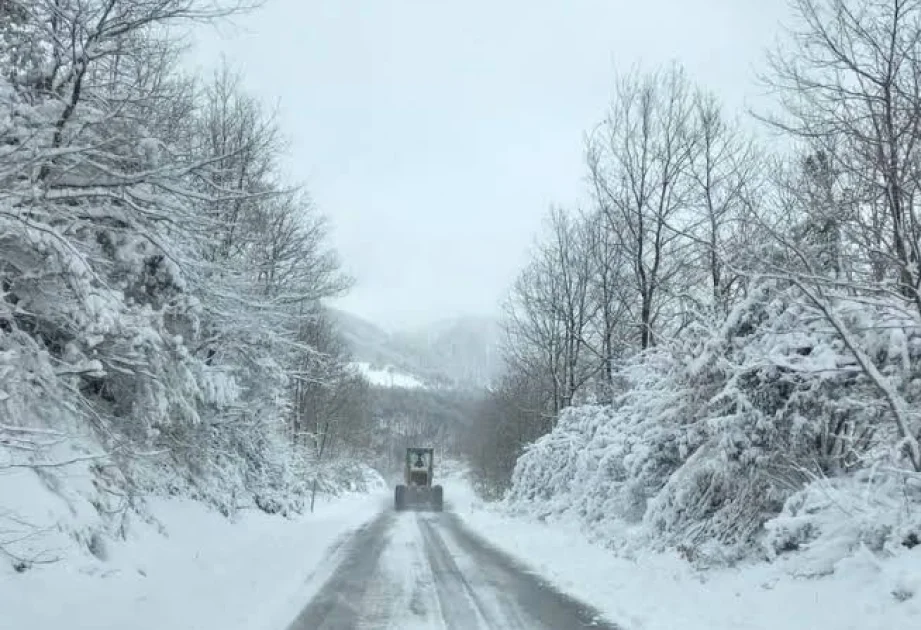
(337,606)
(461,608)
(426,571)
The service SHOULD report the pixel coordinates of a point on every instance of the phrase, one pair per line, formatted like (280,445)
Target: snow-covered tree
(155,272)
(775,297)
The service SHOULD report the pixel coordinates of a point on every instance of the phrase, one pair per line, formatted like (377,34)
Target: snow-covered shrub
(708,439)
(339,476)
(830,519)
(603,463)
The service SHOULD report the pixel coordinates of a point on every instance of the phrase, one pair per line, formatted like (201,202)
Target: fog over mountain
(459,352)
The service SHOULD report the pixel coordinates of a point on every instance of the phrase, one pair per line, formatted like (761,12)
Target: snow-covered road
(423,570)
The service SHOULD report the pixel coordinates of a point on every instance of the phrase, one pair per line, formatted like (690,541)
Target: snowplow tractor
(417,490)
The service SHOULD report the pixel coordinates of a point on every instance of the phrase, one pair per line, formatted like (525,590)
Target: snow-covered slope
(387,376)
(464,348)
(457,352)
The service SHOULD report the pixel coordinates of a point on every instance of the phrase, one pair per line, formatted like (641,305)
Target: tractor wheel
(438,498)
(399,497)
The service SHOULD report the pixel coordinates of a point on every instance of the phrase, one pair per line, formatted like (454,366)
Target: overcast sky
(436,134)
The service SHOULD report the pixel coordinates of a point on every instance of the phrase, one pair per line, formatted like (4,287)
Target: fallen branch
(58,464)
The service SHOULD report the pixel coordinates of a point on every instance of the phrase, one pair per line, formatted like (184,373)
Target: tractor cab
(419,468)
(417,488)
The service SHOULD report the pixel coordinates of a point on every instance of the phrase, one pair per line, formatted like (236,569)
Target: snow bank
(79,549)
(662,591)
(77,506)
(187,567)
(832,520)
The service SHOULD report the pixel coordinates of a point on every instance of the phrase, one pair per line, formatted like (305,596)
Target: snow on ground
(206,572)
(663,592)
(387,376)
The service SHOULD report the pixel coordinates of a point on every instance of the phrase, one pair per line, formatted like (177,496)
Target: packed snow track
(424,570)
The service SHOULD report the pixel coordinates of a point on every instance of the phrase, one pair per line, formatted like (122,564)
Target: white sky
(436,134)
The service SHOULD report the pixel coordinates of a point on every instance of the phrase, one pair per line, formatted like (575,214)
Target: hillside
(464,348)
(458,352)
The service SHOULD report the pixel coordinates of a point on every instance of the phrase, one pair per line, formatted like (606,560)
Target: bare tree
(850,93)
(850,80)
(550,310)
(290,257)
(725,176)
(609,337)
(534,338)
(244,144)
(568,256)
(639,160)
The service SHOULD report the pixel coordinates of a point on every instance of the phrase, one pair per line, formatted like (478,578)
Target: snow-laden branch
(897,404)
(55,464)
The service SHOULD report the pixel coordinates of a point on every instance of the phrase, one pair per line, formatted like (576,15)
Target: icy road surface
(423,570)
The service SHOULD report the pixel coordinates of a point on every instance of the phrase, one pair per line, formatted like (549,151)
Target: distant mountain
(457,352)
(465,349)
